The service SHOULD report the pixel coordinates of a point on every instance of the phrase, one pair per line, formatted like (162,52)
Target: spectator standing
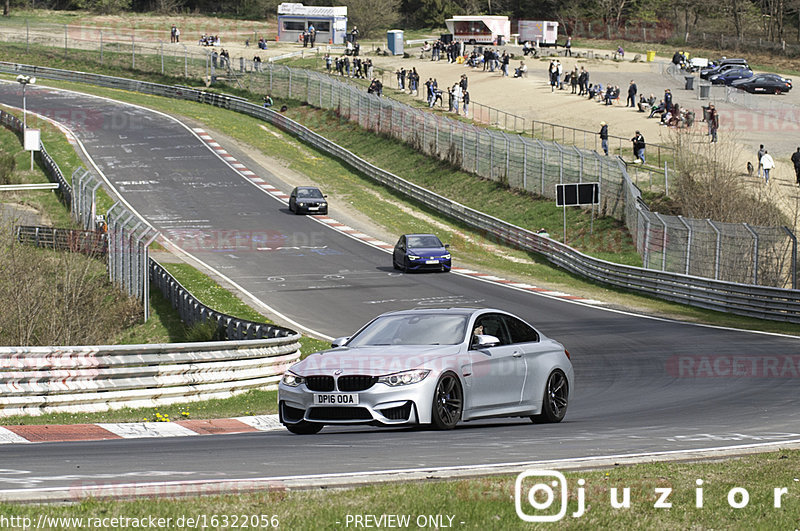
(328,62)
(796,162)
(312,34)
(172,33)
(767,163)
(568,47)
(638,146)
(713,122)
(354,34)
(604,137)
(582,84)
(559,71)
(632,90)
(761,152)
(177,34)
(668,99)
(466,112)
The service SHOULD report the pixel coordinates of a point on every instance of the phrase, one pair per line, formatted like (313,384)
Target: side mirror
(484,341)
(447,246)
(325,195)
(339,341)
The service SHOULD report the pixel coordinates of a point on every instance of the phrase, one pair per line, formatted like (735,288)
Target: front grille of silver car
(319,383)
(339,413)
(356,382)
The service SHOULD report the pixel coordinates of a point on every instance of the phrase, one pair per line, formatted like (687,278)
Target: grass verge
(488,503)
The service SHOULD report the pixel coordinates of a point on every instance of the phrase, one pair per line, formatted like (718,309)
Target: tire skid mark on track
(366,238)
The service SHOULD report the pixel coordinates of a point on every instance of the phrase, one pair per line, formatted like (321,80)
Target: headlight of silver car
(405,377)
(291,379)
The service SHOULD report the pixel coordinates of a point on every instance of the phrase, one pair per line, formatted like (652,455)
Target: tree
(371,15)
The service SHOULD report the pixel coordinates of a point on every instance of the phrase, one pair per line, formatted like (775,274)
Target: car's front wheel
(554,401)
(448,402)
(304,427)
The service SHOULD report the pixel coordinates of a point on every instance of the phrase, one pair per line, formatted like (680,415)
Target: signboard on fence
(577,194)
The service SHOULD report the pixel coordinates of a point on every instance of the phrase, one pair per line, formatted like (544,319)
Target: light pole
(24,81)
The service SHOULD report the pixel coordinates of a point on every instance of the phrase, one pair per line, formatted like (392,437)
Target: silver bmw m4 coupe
(429,366)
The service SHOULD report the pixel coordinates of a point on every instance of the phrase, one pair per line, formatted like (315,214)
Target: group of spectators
(309,36)
(456,95)
(209,40)
(358,67)
(174,34)
(408,79)
(221,59)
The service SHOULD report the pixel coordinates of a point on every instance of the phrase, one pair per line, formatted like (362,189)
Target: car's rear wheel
(304,427)
(554,401)
(448,402)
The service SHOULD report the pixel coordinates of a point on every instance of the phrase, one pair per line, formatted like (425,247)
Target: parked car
(433,367)
(764,83)
(718,67)
(421,252)
(729,76)
(308,200)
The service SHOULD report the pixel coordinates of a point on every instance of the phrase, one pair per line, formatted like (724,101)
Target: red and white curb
(34,433)
(366,238)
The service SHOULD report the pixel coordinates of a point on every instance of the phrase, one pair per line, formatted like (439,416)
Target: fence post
(133,51)
(162,57)
(688,244)
(646,250)
(755,252)
(663,242)
(101,47)
(27,36)
(65,41)
(666,179)
(794,256)
(524,164)
(716,250)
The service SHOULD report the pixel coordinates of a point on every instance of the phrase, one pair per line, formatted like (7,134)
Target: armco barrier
(192,311)
(39,380)
(742,299)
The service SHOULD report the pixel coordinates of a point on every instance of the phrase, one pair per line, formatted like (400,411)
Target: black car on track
(308,200)
(764,84)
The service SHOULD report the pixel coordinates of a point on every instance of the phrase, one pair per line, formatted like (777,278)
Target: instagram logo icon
(545,500)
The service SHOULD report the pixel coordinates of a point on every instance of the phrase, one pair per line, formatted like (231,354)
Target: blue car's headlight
(445,257)
(412,257)
(404,378)
(291,379)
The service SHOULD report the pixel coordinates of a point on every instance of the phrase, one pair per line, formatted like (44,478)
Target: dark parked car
(720,70)
(308,200)
(716,68)
(421,252)
(764,83)
(729,76)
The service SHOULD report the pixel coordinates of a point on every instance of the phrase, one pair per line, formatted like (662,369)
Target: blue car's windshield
(411,329)
(423,241)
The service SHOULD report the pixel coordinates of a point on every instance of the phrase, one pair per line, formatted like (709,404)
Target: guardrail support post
(717,249)
(755,252)
(688,243)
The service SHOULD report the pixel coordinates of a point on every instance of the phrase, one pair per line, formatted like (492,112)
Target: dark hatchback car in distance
(421,252)
(308,200)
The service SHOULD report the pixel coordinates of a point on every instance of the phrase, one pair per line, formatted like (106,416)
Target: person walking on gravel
(638,146)
(767,163)
(796,162)
(604,137)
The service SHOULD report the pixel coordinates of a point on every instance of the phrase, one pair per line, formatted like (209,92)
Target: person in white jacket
(767,163)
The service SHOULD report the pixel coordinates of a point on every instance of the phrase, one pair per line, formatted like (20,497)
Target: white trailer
(479,29)
(544,32)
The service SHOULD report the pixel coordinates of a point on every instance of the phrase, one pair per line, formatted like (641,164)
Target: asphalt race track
(643,385)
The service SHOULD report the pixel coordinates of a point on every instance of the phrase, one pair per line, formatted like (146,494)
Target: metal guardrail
(192,311)
(39,380)
(76,241)
(743,299)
